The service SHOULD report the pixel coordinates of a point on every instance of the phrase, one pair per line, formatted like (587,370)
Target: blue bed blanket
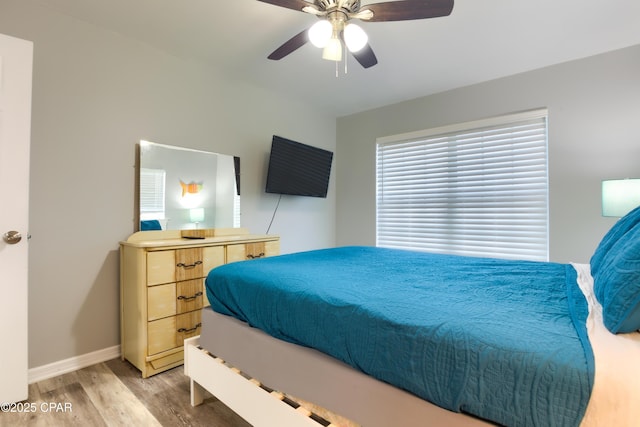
(503,340)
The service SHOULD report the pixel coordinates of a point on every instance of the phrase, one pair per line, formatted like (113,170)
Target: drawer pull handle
(197,294)
(191,329)
(251,256)
(188,266)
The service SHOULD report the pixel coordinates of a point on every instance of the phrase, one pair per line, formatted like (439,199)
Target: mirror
(180,188)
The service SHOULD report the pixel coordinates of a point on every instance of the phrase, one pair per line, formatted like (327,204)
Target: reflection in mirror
(181,188)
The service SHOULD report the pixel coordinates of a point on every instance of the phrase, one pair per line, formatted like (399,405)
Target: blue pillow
(618,230)
(150,224)
(617,283)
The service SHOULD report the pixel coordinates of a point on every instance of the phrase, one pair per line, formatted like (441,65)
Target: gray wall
(95,95)
(594,134)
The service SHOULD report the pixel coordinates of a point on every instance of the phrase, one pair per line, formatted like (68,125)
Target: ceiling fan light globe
(354,37)
(333,50)
(320,33)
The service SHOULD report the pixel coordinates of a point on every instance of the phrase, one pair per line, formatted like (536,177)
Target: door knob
(12,237)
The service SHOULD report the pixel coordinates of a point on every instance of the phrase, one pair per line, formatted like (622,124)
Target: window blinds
(477,189)
(152,192)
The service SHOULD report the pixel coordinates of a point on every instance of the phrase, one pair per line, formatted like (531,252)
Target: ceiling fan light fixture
(354,37)
(333,50)
(320,33)
(338,13)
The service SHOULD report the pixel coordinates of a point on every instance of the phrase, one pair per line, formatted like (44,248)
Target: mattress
(503,340)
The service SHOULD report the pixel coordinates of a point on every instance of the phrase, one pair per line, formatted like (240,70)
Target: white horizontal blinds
(152,193)
(478,191)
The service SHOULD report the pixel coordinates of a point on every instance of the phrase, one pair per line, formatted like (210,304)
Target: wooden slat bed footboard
(251,402)
(308,374)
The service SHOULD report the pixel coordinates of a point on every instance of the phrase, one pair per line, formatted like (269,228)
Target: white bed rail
(254,404)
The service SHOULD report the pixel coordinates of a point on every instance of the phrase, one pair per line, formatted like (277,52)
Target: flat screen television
(298,169)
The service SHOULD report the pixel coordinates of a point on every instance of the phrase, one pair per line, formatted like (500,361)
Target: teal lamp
(196,215)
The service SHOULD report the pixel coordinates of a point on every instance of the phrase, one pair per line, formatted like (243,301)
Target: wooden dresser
(162,289)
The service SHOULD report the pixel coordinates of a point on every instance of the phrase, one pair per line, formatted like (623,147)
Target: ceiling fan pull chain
(346,58)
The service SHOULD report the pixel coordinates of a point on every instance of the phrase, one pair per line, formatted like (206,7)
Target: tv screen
(298,169)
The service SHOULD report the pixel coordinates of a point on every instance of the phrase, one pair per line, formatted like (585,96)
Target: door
(16,57)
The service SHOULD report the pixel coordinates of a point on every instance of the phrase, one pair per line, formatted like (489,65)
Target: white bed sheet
(615,397)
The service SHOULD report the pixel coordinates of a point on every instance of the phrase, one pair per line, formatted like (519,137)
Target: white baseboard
(72,364)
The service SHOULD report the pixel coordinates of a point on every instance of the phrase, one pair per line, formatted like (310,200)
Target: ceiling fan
(334,29)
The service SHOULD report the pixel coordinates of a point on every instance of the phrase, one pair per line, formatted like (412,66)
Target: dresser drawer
(212,257)
(174,298)
(175,265)
(189,295)
(170,332)
(245,251)
(161,301)
(189,264)
(161,267)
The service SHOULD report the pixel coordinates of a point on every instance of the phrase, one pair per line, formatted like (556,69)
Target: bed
(391,337)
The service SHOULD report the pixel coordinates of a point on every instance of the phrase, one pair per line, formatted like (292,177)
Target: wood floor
(114,394)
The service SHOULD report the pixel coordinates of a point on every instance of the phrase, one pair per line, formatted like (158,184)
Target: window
(478,189)
(152,192)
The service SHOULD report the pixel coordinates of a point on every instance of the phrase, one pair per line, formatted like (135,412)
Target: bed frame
(299,371)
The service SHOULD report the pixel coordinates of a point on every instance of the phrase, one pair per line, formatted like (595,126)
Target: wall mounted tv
(298,169)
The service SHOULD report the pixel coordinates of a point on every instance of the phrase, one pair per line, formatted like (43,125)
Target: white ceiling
(481,40)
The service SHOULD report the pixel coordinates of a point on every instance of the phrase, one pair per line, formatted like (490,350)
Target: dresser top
(168,238)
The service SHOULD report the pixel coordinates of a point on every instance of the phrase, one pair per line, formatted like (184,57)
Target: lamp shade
(333,50)
(620,196)
(196,215)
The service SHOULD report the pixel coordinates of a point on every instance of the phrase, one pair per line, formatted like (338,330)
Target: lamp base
(199,233)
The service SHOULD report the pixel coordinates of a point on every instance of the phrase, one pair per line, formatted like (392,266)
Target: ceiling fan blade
(289,4)
(408,10)
(290,45)
(365,56)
